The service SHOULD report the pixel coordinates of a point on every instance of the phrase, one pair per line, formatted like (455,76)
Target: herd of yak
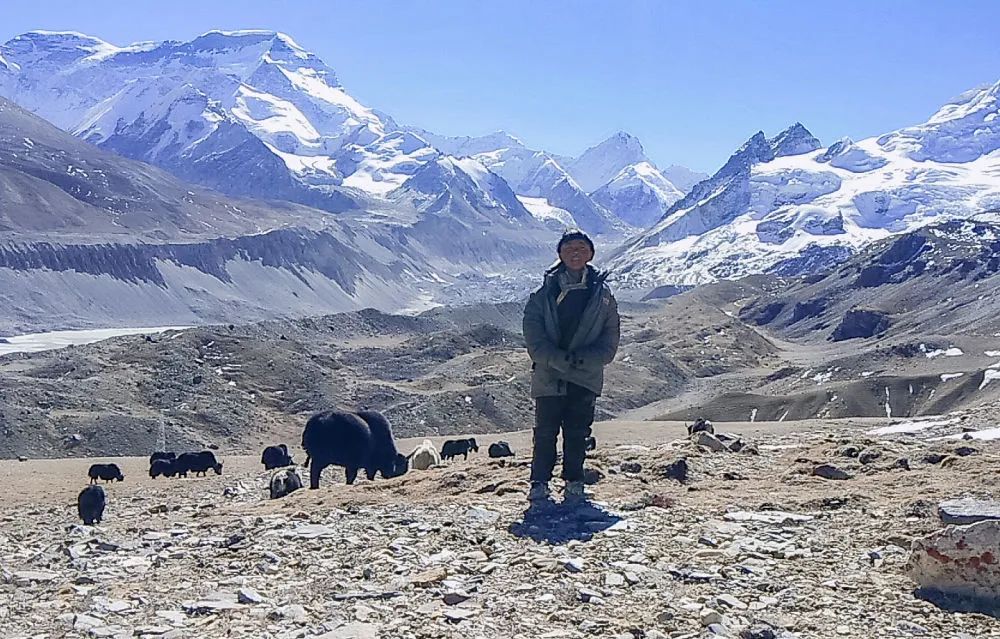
(356,441)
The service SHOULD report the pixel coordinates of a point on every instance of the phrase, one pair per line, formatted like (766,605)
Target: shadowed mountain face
(55,186)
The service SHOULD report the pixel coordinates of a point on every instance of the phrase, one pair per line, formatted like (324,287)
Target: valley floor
(452,552)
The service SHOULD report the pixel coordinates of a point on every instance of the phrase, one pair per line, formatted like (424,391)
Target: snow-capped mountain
(248,113)
(252,113)
(90,238)
(639,194)
(600,164)
(607,184)
(682,177)
(538,178)
(786,205)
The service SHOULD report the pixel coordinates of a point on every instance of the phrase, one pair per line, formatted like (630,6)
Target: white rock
(36,576)
(574,565)
(248,596)
(709,617)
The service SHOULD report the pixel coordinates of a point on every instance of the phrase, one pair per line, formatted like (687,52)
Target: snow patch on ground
(988,376)
(950,352)
(913,426)
(540,208)
(987,434)
(36,342)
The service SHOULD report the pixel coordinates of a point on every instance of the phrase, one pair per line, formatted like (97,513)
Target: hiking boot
(539,491)
(574,491)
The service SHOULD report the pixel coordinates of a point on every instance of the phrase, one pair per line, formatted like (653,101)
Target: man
(571,327)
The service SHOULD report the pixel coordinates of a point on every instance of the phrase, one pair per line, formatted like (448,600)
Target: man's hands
(561,361)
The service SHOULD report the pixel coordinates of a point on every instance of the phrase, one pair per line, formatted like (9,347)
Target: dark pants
(574,414)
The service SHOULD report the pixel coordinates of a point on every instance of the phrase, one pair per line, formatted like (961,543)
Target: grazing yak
(165,467)
(455,447)
(354,441)
(284,482)
(90,505)
(107,472)
(276,457)
(197,463)
(500,449)
(161,455)
(700,425)
(424,456)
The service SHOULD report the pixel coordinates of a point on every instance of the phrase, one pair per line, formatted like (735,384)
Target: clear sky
(692,80)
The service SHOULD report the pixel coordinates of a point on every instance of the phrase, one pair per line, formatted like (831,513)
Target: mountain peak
(623,140)
(795,140)
(757,149)
(61,47)
(624,137)
(69,37)
(965,129)
(982,98)
(467,146)
(247,38)
(602,162)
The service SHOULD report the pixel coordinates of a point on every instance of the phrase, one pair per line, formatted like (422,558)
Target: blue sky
(692,80)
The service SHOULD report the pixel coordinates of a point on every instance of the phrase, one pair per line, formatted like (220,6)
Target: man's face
(575,254)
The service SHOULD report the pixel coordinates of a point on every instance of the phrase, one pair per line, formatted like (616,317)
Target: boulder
(959,567)
(968,511)
(827,471)
(677,469)
(709,441)
(869,455)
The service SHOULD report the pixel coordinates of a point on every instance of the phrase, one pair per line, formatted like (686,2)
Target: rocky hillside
(236,387)
(908,327)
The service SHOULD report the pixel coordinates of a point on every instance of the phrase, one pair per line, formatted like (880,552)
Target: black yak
(276,457)
(197,463)
(700,425)
(161,455)
(107,472)
(354,441)
(165,467)
(500,449)
(90,505)
(455,447)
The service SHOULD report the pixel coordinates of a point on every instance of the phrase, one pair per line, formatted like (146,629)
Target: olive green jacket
(591,349)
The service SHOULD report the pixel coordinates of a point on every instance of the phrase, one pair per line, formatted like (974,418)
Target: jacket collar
(595,278)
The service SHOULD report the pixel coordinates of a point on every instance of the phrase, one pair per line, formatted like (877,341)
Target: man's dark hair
(574,234)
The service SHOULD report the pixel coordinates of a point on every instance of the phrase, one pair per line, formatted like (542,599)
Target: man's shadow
(558,523)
